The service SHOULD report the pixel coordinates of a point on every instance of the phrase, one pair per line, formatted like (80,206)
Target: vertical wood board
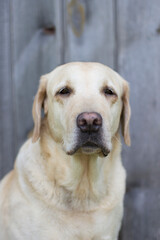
(34,54)
(31,45)
(6,95)
(96,41)
(139,62)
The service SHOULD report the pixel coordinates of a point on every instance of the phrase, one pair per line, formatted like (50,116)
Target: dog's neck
(80,181)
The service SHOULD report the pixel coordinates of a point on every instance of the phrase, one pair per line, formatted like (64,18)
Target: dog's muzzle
(89,137)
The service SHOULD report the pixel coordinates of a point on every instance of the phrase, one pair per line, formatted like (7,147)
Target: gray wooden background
(38,35)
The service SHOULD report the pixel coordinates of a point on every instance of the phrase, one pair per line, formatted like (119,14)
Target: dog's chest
(80,226)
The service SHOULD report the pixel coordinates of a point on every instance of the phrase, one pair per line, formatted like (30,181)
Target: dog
(68,181)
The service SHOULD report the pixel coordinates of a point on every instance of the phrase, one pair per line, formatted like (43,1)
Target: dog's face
(84,104)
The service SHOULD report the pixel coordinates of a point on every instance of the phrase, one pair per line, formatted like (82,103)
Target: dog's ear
(126,113)
(40,102)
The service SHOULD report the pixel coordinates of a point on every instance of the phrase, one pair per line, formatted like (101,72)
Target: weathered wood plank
(6,97)
(138,61)
(89,31)
(31,43)
(141,218)
(35,53)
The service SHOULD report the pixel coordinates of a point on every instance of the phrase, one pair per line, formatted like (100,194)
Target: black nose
(89,122)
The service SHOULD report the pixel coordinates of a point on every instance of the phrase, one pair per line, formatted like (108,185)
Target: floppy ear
(125,116)
(39,102)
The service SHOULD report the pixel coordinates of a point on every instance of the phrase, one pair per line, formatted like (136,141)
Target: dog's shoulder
(5,185)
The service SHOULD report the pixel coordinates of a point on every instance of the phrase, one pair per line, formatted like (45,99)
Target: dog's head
(84,104)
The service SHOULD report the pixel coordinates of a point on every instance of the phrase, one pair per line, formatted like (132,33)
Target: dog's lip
(90,145)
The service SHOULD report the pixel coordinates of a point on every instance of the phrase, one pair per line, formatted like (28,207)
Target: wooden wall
(38,35)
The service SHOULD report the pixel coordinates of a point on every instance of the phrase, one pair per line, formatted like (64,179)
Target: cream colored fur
(51,195)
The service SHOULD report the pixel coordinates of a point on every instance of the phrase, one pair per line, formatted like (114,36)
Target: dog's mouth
(90,147)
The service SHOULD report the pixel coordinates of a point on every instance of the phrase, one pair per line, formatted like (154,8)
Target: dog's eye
(64,91)
(109,91)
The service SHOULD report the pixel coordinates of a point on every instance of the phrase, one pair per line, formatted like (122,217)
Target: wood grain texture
(138,61)
(29,48)
(141,218)
(34,53)
(96,42)
(6,94)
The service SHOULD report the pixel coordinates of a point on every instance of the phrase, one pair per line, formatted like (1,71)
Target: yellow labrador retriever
(68,181)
